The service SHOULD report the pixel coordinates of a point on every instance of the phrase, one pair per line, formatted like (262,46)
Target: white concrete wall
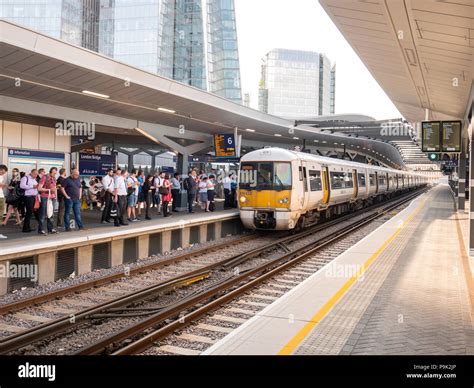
(32,137)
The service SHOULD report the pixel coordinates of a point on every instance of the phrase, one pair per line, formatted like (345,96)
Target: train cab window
(265,176)
(315,180)
(361,180)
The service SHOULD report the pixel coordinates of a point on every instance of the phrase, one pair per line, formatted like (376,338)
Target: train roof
(283,155)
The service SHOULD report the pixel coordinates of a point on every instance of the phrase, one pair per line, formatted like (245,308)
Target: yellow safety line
(301,335)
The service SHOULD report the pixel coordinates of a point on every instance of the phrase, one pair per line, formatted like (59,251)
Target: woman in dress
(166,198)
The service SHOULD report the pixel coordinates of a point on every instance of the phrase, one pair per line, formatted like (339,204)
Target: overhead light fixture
(88,92)
(296,138)
(277,134)
(250,130)
(316,141)
(166,110)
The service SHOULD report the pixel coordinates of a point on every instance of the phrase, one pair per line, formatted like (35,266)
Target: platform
(411,294)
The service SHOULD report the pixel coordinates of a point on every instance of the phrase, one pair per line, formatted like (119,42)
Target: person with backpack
(158,184)
(47,191)
(13,197)
(189,184)
(29,184)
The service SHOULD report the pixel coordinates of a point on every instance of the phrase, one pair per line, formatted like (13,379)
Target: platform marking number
(72,224)
(126,271)
(181,129)
(400,318)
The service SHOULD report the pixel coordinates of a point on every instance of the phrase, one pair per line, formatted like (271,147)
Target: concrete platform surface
(410,294)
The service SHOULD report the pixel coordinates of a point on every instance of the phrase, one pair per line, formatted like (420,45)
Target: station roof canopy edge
(46,77)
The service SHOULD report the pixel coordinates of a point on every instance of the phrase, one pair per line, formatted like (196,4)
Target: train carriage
(281,189)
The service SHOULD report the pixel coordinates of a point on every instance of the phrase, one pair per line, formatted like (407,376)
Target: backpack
(186,185)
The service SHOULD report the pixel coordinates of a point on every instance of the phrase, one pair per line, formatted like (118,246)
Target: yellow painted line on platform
(293,343)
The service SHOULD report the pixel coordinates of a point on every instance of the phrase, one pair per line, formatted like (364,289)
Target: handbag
(37,203)
(49,208)
(163,190)
(114,210)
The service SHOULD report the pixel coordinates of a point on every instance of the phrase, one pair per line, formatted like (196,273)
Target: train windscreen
(265,176)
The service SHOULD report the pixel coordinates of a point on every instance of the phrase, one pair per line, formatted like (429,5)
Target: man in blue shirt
(72,191)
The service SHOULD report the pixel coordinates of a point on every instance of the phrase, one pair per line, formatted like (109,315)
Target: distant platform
(412,295)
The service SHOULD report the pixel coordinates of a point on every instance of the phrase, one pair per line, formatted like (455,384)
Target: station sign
(451,140)
(95,164)
(19,153)
(430,135)
(224,145)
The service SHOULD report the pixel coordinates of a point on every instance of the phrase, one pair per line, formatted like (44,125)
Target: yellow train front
(268,194)
(281,189)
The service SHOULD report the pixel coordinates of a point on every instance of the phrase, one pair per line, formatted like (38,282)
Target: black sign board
(451,136)
(224,145)
(430,135)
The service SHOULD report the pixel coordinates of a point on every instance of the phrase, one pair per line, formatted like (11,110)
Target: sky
(304,25)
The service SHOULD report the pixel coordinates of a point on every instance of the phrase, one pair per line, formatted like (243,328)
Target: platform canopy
(420,52)
(45,77)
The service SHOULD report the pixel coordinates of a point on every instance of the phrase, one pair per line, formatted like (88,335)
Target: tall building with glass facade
(297,84)
(191,41)
(73,21)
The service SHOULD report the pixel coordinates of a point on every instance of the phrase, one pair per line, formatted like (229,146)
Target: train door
(356,185)
(376,182)
(304,199)
(326,187)
(388,182)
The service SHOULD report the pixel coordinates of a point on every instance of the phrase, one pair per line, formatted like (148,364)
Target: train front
(265,190)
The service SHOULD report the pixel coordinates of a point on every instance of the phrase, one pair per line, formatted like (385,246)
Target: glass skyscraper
(73,21)
(191,41)
(296,84)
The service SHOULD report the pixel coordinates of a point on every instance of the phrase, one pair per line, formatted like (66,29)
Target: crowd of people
(122,195)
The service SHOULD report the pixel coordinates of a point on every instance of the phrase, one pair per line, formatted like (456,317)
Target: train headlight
(243,199)
(283,200)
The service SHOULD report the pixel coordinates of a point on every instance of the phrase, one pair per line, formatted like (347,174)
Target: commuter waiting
(72,191)
(29,184)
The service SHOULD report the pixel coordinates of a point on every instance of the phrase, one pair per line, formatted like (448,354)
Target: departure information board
(224,145)
(431,137)
(451,136)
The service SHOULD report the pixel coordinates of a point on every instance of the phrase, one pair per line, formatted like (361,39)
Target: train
(281,189)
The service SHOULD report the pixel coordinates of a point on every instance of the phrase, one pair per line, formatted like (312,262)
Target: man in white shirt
(132,182)
(158,183)
(3,184)
(109,188)
(227,190)
(121,195)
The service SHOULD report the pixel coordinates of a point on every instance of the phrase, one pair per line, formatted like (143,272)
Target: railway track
(223,281)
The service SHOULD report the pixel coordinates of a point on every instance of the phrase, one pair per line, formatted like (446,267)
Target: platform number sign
(224,145)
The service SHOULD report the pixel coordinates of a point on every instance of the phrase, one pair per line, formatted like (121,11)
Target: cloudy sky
(304,25)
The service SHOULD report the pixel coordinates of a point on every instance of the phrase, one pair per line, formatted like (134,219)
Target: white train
(281,189)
